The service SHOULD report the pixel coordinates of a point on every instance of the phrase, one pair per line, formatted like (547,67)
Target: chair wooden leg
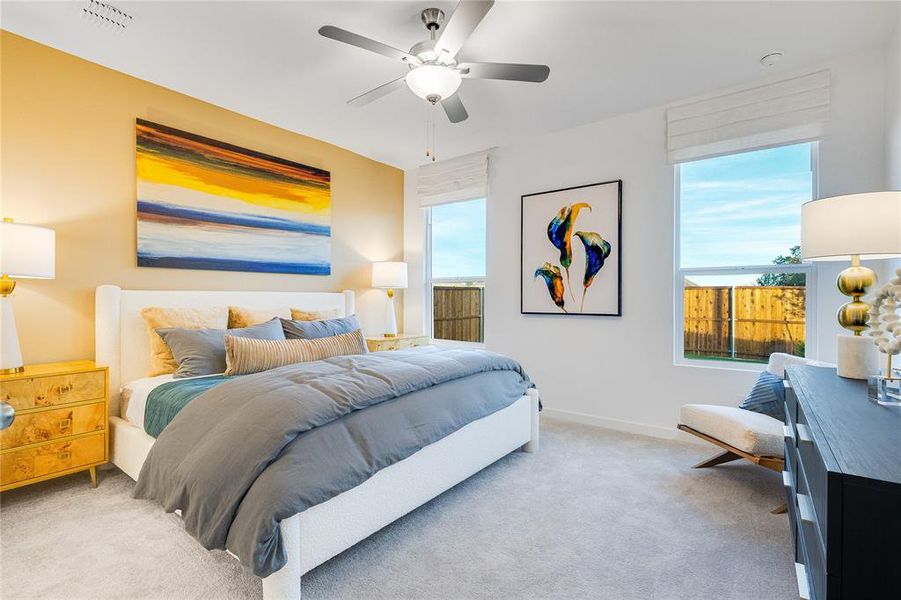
(781,510)
(722,457)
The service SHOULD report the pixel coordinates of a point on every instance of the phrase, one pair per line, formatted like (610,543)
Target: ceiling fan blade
(375,94)
(454,108)
(354,39)
(466,17)
(509,71)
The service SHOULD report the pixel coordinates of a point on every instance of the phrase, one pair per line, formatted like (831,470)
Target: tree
(784,279)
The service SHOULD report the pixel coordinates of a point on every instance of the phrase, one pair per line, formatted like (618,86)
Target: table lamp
(26,252)
(848,228)
(389,276)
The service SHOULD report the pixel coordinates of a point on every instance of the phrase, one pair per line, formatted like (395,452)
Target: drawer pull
(65,424)
(804,434)
(787,432)
(805,509)
(787,479)
(65,455)
(803,585)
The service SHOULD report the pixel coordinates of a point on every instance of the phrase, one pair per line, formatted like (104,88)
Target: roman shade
(453,180)
(781,112)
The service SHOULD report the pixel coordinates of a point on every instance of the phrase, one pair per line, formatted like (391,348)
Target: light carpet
(594,514)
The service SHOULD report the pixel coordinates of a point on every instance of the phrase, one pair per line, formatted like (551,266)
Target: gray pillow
(311,330)
(767,396)
(202,351)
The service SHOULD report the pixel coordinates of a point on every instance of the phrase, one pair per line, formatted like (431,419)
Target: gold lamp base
(854,281)
(7,286)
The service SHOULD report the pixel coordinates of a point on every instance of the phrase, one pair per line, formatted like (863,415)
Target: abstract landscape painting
(204,204)
(571,251)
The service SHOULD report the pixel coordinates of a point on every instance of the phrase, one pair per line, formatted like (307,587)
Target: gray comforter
(252,451)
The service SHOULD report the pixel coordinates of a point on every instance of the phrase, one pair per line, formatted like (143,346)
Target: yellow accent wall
(67,161)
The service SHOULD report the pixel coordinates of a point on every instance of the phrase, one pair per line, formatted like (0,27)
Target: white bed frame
(325,530)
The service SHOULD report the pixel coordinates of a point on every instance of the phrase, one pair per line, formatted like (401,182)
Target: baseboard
(656,431)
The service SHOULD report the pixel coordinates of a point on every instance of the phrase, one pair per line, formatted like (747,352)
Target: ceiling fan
(435,75)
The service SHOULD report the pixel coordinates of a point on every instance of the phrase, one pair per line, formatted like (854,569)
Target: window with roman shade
(453,195)
(745,162)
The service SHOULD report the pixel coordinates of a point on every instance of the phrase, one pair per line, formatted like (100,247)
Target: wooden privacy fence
(743,322)
(457,313)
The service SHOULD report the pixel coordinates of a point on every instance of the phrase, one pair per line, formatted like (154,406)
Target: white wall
(619,371)
(852,160)
(893,109)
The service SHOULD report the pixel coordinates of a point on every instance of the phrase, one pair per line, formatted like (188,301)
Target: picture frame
(568,234)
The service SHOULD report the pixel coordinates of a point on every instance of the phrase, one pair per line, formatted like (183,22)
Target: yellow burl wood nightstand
(398,342)
(61,422)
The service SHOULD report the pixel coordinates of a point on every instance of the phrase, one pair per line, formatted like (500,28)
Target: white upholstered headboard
(121,340)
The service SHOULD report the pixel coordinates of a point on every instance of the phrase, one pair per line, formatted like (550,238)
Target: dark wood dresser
(843,480)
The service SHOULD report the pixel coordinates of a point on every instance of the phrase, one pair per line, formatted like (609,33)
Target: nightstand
(61,422)
(398,342)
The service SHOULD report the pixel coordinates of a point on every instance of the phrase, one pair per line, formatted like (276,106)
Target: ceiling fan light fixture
(428,81)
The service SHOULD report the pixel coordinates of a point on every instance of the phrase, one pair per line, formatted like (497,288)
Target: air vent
(106,16)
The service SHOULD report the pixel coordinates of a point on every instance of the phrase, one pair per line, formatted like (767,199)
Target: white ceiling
(266,60)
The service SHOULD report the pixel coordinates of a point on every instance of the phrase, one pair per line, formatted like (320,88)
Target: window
(741,287)
(455,270)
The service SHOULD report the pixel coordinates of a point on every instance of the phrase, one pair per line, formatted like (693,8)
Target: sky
(743,209)
(458,239)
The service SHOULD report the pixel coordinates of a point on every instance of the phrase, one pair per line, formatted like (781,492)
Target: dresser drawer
(47,425)
(791,402)
(811,546)
(814,560)
(37,392)
(790,485)
(52,457)
(814,469)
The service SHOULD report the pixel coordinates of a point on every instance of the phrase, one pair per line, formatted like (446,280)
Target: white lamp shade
(868,225)
(389,275)
(429,80)
(27,251)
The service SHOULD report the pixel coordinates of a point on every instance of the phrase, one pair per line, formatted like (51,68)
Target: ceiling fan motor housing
(433,18)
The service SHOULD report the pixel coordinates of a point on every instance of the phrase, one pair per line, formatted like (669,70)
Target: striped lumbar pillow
(246,355)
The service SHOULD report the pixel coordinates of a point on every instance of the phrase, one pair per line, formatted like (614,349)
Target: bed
(326,529)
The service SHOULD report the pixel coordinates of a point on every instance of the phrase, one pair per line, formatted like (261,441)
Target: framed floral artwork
(572,251)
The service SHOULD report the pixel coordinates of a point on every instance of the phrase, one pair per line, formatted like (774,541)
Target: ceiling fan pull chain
(432,110)
(429,152)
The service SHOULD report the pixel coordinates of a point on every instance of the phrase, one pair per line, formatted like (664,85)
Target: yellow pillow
(247,355)
(239,316)
(316,315)
(161,359)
